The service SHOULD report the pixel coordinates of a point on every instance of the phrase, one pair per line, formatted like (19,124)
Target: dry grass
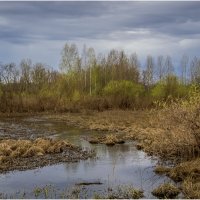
(11,149)
(186,169)
(162,170)
(110,139)
(166,190)
(189,174)
(191,188)
(182,119)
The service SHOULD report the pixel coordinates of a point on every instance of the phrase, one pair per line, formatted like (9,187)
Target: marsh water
(121,164)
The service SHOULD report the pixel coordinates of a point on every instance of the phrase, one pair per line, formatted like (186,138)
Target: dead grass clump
(16,153)
(45,144)
(186,169)
(24,143)
(110,139)
(59,146)
(162,170)
(2,159)
(97,139)
(167,190)
(5,149)
(28,148)
(34,151)
(8,142)
(191,188)
(189,174)
(20,151)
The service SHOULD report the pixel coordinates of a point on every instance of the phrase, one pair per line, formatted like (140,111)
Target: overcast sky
(39,30)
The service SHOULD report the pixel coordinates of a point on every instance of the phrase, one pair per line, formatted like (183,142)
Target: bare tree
(9,73)
(149,72)
(70,58)
(160,67)
(195,70)
(133,68)
(113,62)
(25,78)
(169,66)
(123,66)
(91,62)
(84,60)
(184,64)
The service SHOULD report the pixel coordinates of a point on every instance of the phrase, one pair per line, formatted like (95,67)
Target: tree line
(87,80)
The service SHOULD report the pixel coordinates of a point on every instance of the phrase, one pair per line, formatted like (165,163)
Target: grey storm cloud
(26,21)
(28,25)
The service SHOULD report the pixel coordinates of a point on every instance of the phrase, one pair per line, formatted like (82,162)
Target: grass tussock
(188,169)
(191,188)
(167,190)
(11,149)
(110,140)
(188,173)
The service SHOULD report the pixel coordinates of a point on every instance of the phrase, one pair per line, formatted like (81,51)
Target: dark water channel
(121,164)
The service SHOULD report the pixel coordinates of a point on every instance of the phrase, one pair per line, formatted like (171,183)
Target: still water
(121,164)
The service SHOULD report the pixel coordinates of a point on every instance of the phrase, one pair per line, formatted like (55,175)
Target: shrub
(169,88)
(123,94)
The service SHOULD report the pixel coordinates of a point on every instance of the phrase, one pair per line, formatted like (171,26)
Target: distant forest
(88,81)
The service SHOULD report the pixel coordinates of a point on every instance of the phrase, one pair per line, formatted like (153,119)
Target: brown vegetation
(25,154)
(166,191)
(189,174)
(162,170)
(110,139)
(28,148)
(186,169)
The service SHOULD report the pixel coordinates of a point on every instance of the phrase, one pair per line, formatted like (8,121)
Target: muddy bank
(11,129)
(30,154)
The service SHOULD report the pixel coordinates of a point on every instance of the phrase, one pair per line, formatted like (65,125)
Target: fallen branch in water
(89,183)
